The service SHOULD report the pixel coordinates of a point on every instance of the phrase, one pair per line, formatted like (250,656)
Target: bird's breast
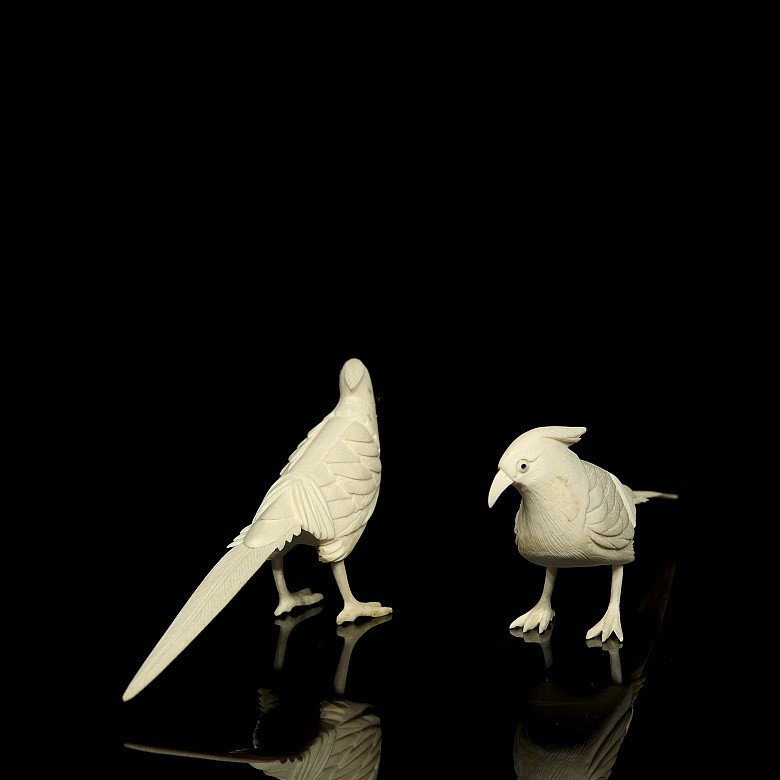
(548,536)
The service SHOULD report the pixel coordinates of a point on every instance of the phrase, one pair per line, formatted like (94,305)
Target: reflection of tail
(220,585)
(346,746)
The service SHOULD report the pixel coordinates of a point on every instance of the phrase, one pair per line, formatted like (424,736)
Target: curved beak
(500,483)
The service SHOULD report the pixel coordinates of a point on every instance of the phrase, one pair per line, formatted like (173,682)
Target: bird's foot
(300,598)
(539,617)
(609,624)
(355,609)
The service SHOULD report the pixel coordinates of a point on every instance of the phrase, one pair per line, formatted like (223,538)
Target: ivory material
(324,497)
(572,513)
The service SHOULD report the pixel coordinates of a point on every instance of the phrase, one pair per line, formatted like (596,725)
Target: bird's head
(532,458)
(355,389)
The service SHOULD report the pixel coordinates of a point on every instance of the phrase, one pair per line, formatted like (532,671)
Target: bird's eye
(522,466)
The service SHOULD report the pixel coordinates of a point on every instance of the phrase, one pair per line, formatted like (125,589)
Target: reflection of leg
(350,634)
(611,646)
(614,661)
(287,600)
(534,637)
(286,625)
(352,607)
(544,642)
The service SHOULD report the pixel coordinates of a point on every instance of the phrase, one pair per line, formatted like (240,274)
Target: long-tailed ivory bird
(571,514)
(324,497)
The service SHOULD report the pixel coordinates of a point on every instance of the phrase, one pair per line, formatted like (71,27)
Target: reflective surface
(412,695)
(442,687)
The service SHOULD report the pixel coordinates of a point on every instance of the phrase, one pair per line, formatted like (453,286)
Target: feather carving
(324,496)
(572,513)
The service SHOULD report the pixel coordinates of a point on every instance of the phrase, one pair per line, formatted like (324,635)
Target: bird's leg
(288,601)
(542,614)
(353,608)
(610,623)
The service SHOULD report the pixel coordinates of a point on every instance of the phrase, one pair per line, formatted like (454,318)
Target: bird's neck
(359,409)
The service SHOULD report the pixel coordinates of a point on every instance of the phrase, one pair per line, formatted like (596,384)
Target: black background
(214,217)
(495,273)
(211,415)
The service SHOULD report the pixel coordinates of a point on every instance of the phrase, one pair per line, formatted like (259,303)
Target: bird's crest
(566,436)
(532,443)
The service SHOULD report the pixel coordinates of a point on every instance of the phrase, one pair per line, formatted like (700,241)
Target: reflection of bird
(571,513)
(348,745)
(573,734)
(298,737)
(347,741)
(324,497)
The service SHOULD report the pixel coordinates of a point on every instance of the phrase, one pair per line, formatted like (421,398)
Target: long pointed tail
(220,585)
(640,496)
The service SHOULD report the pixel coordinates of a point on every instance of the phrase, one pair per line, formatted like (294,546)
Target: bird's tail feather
(220,585)
(640,496)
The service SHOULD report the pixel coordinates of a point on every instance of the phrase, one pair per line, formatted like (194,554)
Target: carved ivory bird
(572,513)
(324,497)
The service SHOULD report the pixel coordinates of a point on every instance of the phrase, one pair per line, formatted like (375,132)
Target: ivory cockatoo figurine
(324,497)
(571,514)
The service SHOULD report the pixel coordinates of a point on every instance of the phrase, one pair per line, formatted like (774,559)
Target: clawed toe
(538,617)
(608,625)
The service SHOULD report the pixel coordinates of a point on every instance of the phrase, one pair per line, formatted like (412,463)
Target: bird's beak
(500,483)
